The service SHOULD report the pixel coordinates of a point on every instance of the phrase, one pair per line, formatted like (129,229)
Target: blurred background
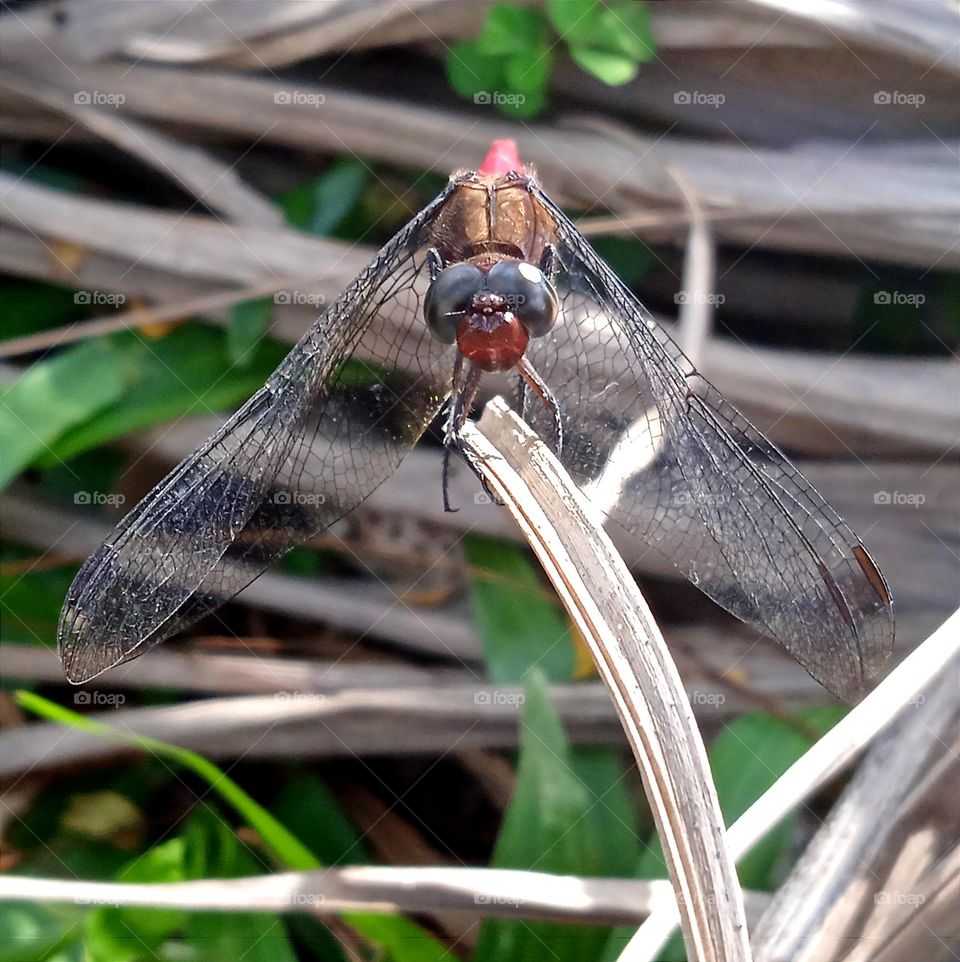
(187,185)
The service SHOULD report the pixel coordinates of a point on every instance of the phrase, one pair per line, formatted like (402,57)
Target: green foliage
(32,306)
(52,397)
(29,601)
(185,372)
(570,813)
(629,257)
(401,939)
(323,204)
(248,324)
(509,63)
(520,624)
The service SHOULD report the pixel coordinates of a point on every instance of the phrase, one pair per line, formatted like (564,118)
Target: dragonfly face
(491,276)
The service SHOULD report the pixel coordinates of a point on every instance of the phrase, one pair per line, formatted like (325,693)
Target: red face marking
(494,342)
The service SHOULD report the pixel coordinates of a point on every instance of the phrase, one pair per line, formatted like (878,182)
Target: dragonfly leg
(549,262)
(434,263)
(522,397)
(539,387)
(465,393)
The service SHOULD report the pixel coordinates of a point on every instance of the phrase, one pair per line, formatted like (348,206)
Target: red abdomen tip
(501,158)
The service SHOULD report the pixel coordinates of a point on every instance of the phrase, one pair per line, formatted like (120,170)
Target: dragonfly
(491,276)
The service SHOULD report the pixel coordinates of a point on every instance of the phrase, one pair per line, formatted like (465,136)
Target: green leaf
(519,623)
(27,307)
(336,193)
(250,936)
(626,27)
(614,69)
(510,29)
(556,822)
(611,826)
(185,372)
(54,395)
(629,257)
(30,602)
(471,72)
(404,939)
(214,851)
(320,205)
(307,807)
(529,71)
(248,324)
(573,19)
(122,933)
(284,846)
(38,933)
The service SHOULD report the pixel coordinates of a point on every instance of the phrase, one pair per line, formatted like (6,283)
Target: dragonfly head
(491,311)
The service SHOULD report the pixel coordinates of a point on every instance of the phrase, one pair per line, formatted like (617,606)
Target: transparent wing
(668,458)
(331,423)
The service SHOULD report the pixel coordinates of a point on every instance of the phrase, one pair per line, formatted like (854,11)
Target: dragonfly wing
(668,458)
(331,423)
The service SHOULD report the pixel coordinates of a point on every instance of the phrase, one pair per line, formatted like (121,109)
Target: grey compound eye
(449,297)
(530,296)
